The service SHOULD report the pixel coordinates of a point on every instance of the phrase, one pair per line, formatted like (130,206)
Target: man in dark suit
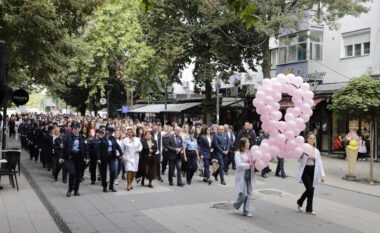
(165,151)
(174,148)
(75,151)
(157,136)
(221,149)
(246,132)
(107,156)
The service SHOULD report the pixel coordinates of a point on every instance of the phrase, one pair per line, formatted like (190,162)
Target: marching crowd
(141,151)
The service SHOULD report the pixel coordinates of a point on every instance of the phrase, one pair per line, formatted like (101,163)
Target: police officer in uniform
(32,141)
(107,156)
(191,156)
(75,151)
(57,154)
(93,147)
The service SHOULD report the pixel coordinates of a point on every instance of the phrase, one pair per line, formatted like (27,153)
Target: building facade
(328,59)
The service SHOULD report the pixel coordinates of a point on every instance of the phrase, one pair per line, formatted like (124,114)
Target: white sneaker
(116,182)
(248,215)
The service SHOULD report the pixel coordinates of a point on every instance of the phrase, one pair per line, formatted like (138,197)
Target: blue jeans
(245,197)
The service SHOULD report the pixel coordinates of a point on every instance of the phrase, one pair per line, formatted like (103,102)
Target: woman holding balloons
(244,177)
(310,171)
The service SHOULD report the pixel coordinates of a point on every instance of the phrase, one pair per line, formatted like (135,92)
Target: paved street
(199,208)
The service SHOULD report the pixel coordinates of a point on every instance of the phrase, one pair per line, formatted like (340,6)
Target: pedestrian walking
(132,148)
(75,152)
(148,160)
(174,147)
(245,179)
(280,170)
(107,156)
(221,149)
(310,171)
(191,156)
(205,150)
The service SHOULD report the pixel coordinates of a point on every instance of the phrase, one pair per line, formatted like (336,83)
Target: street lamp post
(132,89)
(217,88)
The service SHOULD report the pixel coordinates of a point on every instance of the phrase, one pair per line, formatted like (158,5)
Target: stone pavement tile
(4,225)
(45,226)
(135,229)
(81,227)
(353,219)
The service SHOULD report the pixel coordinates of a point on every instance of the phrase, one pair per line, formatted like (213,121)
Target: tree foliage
(359,99)
(37,33)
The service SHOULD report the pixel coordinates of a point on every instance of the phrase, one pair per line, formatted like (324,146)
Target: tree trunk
(207,105)
(95,108)
(266,64)
(82,109)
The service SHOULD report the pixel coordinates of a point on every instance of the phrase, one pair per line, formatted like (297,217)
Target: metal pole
(217,100)
(108,103)
(166,102)
(4,53)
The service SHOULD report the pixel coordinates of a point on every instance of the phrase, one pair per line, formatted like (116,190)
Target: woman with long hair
(310,171)
(205,150)
(245,178)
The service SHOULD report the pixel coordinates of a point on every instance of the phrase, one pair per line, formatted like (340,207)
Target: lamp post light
(218,88)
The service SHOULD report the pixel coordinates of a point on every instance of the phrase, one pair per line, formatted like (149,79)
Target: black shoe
(68,194)
(270,170)
(216,177)
(99,178)
(277,175)
(76,193)
(205,180)
(150,186)
(113,190)
(223,183)
(92,182)
(226,173)
(209,181)
(283,177)
(64,181)
(49,169)
(189,182)
(171,184)
(160,179)
(56,178)
(142,182)
(264,176)
(180,184)
(105,190)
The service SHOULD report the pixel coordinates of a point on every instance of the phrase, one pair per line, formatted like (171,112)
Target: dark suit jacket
(144,154)
(171,146)
(204,146)
(220,144)
(68,145)
(103,149)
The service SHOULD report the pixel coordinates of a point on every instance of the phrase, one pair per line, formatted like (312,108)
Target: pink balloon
(305,117)
(260,94)
(281,126)
(296,111)
(305,86)
(268,99)
(276,106)
(299,140)
(274,151)
(260,165)
(289,134)
(276,115)
(305,107)
(281,138)
(266,82)
(298,151)
(308,149)
(291,144)
(291,125)
(289,117)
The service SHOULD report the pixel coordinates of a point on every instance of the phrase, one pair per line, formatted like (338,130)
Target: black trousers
(280,167)
(93,165)
(74,168)
(191,164)
(175,164)
(164,164)
(307,179)
(33,151)
(103,172)
(206,164)
(229,159)
(57,169)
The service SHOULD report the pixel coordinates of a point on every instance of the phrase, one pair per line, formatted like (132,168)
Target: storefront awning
(287,102)
(157,108)
(232,102)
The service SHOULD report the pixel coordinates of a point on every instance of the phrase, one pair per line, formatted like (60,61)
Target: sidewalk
(335,169)
(23,211)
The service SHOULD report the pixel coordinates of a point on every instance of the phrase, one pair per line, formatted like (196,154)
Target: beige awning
(157,108)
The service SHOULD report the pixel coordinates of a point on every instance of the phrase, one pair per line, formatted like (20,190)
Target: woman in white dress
(132,147)
(310,172)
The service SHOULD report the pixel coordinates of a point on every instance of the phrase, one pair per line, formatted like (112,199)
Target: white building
(330,58)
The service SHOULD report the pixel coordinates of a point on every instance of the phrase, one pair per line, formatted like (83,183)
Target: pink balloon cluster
(284,140)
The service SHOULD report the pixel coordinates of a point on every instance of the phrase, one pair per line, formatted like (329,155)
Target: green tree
(360,99)
(112,52)
(37,33)
(197,31)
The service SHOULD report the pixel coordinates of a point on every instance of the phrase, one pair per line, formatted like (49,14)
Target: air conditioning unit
(374,69)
